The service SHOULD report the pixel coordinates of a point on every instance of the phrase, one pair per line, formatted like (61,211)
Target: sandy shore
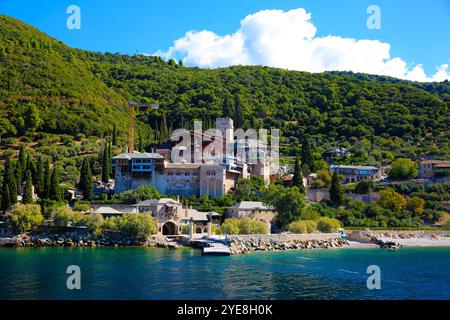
(438,238)
(421,242)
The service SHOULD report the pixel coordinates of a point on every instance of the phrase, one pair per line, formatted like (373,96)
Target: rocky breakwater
(251,243)
(74,239)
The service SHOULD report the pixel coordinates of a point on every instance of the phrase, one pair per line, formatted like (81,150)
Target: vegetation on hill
(67,108)
(77,91)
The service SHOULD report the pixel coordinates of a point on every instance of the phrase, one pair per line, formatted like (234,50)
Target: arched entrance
(169,229)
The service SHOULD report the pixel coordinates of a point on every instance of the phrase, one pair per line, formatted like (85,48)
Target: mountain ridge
(78,91)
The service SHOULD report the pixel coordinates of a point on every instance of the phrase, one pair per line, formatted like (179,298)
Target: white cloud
(287,39)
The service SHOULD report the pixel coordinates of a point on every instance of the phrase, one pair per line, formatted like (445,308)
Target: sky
(407,39)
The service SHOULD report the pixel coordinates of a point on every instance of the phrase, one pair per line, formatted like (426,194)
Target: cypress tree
(47,179)
(297,180)
(18,173)
(6,200)
(10,180)
(140,143)
(164,128)
(106,163)
(336,191)
(85,185)
(28,192)
(23,159)
(227,107)
(55,190)
(110,161)
(306,155)
(238,112)
(114,136)
(39,179)
(31,166)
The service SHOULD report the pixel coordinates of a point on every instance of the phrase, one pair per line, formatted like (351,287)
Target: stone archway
(170,229)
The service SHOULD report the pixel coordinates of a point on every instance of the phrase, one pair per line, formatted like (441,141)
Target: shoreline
(242,244)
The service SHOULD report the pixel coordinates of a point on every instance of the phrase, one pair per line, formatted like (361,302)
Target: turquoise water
(149,273)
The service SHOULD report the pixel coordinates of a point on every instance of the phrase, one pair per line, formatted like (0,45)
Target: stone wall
(317,195)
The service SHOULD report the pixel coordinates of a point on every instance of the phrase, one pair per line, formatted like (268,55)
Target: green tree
(364,186)
(140,194)
(9,190)
(114,136)
(6,128)
(404,169)
(297,180)
(32,118)
(47,180)
(93,223)
(86,185)
(140,142)
(23,158)
(306,155)
(328,225)
(227,107)
(106,164)
(389,199)
(25,217)
(287,202)
(55,192)
(39,179)
(238,112)
(230,226)
(19,174)
(138,225)
(6,197)
(336,191)
(303,226)
(28,191)
(62,216)
(416,206)
(250,226)
(323,179)
(298,227)
(31,166)
(250,189)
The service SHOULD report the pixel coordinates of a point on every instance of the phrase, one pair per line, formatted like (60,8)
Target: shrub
(230,226)
(403,168)
(25,217)
(298,227)
(303,226)
(137,225)
(93,222)
(81,206)
(250,226)
(310,213)
(62,216)
(311,226)
(140,194)
(389,199)
(185,229)
(328,225)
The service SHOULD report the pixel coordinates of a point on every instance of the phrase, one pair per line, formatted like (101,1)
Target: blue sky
(417,31)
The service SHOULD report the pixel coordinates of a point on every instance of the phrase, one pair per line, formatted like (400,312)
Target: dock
(217,249)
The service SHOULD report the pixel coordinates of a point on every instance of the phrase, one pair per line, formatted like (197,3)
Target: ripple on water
(137,273)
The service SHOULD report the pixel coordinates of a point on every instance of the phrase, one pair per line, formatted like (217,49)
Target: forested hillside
(80,92)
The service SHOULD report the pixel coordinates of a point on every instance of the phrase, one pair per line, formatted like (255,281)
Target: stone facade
(208,177)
